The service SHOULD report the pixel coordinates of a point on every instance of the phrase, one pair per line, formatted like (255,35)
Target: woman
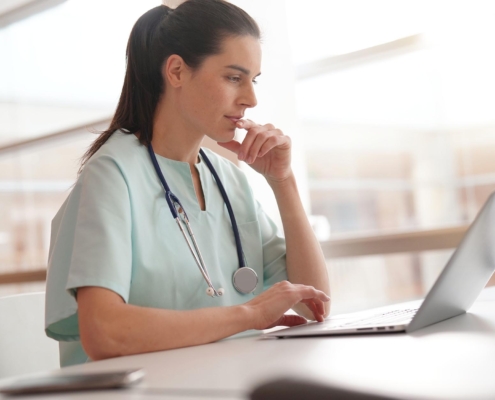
(122,279)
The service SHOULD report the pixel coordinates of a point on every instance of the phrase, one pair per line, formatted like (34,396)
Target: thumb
(288,320)
(233,146)
(291,320)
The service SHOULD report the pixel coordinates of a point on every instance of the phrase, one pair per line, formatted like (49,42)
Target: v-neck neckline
(184,170)
(199,167)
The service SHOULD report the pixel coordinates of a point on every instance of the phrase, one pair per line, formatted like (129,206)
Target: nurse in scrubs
(122,279)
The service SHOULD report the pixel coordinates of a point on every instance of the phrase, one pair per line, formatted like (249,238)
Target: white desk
(454,359)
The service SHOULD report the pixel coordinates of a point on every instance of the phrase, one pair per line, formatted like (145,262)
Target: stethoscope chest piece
(245,280)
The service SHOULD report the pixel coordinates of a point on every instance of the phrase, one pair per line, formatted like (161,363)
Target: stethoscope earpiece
(211,292)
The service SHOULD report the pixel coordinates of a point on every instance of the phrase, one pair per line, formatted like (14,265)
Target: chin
(224,138)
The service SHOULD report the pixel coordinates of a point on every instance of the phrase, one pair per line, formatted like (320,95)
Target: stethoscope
(244,279)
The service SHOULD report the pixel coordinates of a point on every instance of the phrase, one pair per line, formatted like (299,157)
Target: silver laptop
(455,290)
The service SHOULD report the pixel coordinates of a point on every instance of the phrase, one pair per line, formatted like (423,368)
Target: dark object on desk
(291,389)
(73,382)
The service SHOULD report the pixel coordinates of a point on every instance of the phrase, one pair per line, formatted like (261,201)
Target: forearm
(110,328)
(305,261)
(123,329)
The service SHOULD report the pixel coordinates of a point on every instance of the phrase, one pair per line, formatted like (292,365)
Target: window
(61,69)
(395,107)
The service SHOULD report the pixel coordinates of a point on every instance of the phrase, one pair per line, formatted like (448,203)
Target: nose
(249,96)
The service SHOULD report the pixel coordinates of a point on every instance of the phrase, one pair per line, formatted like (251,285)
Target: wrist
(246,316)
(288,181)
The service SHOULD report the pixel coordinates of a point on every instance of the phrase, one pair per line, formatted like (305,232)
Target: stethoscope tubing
(179,214)
(240,253)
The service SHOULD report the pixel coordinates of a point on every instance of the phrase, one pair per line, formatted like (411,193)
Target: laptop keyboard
(388,318)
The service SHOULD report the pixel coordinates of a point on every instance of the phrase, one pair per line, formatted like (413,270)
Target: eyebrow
(241,69)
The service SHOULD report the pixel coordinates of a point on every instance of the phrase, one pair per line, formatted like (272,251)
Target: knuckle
(264,135)
(249,134)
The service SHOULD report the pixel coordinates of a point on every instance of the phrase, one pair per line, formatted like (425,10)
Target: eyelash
(237,79)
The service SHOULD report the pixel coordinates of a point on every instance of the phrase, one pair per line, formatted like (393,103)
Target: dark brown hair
(194,31)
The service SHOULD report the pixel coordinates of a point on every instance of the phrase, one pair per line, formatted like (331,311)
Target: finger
(309,292)
(273,138)
(319,306)
(299,292)
(322,307)
(316,305)
(248,141)
(272,142)
(288,320)
(246,124)
(292,320)
(259,141)
(314,309)
(233,146)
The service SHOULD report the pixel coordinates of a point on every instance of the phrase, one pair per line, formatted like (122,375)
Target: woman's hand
(269,307)
(265,148)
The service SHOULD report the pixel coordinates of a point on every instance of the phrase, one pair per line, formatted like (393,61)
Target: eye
(255,81)
(234,79)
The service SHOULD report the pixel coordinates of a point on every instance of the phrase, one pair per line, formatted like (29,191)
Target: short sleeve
(91,244)
(274,250)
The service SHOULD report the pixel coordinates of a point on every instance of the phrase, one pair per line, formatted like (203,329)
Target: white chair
(24,347)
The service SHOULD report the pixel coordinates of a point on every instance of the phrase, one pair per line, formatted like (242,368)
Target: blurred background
(390,105)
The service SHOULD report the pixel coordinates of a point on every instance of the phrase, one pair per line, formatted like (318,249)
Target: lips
(234,119)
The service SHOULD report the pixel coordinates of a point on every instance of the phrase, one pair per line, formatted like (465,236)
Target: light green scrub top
(115,230)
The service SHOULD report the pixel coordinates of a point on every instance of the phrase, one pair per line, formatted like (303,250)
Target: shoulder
(122,153)
(105,178)
(123,148)
(112,168)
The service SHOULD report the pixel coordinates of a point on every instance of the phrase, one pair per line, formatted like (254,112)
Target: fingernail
(241,156)
(249,160)
(239,123)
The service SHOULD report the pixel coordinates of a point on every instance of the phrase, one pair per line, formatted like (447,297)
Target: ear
(175,71)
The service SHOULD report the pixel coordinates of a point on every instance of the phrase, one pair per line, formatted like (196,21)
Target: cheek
(206,101)
(216,94)
(212,102)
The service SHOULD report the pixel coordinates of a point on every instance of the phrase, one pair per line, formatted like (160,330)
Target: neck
(173,138)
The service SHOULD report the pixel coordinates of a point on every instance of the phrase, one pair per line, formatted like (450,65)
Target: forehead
(244,51)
